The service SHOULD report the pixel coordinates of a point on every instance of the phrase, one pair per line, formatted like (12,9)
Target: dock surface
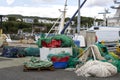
(12,69)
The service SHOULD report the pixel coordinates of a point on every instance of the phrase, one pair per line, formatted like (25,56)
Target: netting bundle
(30,51)
(66,40)
(117,64)
(40,40)
(36,63)
(55,41)
(58,57)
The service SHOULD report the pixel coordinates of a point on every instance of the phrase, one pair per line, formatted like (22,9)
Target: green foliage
(12,25)
(35,20)
(11,18)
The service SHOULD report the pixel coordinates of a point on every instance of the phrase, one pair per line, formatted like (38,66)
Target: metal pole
(0,21)
(67,24)
(1,24)
(78,18)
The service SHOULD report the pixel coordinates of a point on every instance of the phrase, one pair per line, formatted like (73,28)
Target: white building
(28,20)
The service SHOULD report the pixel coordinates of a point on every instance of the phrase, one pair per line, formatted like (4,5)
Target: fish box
(44,52)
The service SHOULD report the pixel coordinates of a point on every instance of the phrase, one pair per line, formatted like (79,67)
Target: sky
(50,8)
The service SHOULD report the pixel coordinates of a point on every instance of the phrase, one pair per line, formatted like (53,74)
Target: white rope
(93,53)
(97,69)
(53,26)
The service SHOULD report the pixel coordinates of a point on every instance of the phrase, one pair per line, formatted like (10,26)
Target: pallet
(25,69)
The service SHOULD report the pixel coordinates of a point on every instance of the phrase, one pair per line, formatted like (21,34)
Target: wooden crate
(25,68)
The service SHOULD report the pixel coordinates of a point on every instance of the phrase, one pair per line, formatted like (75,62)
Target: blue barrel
(77,43)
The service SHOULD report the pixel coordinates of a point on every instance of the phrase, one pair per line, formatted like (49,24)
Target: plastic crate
(77,43)
(60,65)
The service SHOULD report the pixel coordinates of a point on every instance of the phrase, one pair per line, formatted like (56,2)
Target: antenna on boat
(106,11)
(116,1)
(62,18)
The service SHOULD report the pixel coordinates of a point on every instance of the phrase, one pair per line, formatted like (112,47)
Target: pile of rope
(86,54)
(95,67)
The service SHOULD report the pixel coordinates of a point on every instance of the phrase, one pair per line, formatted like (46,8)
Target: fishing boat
(65,28)
(106,33)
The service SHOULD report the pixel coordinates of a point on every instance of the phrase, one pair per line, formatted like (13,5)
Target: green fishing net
(60,55)
(66,41)
(109,56)
(36,63)
(117,64)
(31,51)
(103,49)
(47,40)
(76,51)
(72,62)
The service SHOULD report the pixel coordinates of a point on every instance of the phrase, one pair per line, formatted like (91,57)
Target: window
(96,28)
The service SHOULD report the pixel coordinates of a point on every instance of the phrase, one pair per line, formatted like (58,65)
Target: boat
(106,33)
(64,28)
(109,33)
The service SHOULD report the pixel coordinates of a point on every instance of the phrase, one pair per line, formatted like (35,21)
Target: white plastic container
(44,52)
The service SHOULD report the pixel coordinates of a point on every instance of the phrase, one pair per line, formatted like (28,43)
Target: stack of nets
(65,40)
(36,63)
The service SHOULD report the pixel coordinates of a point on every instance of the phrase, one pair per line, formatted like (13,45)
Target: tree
(11,18)
(35,20)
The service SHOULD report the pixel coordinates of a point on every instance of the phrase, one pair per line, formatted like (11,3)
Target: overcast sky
(49,8)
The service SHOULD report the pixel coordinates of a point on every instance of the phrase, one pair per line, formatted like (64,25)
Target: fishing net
(76,51)
(115,56)
(58,56)
(30,51)
(103,49)
(64,57)
(40,40)
(117,64)
(10,52)
(72,62)
(21,52)
(35,63)
(65,41)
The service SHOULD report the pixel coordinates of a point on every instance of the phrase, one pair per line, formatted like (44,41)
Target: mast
(117,14)
(67,24)
(61,26)
(104,16)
